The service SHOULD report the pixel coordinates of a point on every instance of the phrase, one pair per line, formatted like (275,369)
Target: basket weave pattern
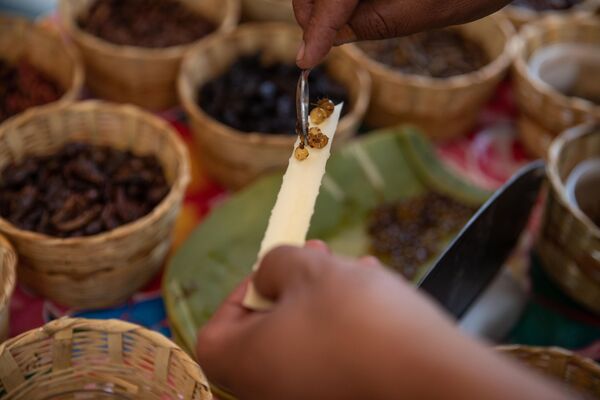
(235,158)
(268,10)
(545,112)
(8,264)
(104,269)
(43,49)
(579,373)
(568,239)
(138,75)
(79,358)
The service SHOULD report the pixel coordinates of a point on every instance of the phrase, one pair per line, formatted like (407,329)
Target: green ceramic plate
(383,166)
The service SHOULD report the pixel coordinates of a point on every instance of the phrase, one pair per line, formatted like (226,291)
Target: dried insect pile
(439,53)
(543,5)
(80,190)
(406,234)
(145,23)
(23,86)
(316,138)
(256,96)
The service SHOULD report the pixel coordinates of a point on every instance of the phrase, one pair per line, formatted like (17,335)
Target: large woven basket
(45,50)
(104,269)
(97,359)
(268,10)
(544,111)
(138,75)
(8,264)
(520,16)
(569,241)
(235,158)
(442,108)
(580,374)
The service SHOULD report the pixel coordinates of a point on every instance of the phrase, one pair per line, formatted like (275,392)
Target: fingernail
(300,55)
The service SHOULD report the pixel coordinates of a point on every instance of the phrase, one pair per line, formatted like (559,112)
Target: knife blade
(471,261)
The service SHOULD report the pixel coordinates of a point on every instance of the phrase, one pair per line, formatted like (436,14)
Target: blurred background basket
(97,359)
(45,50)
(442,108)
(580,374)
(103,269)
(8,264)
(138,75)
(520,16)
(569,241)
(544,111)
(268,10)
(235,158)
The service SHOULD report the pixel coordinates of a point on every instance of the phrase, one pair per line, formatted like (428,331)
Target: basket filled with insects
(556,67)
(239,90)
(89,194)
(438,80)
(132,50)
(76,358)
(36,67)
(521,12)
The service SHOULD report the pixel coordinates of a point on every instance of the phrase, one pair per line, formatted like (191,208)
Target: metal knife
(474,257)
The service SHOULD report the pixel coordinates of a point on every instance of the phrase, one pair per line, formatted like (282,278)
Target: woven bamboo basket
(268,10)
(520,16)
(129,74)
(580,374)
(97,359)
(569,241)
(235,158)
(104,269)
(544,111)
(8,264)
(442,108)
(45,50)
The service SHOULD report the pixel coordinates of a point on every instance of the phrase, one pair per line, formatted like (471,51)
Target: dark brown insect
(80,190)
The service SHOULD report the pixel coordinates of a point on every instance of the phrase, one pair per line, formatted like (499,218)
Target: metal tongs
(302,104)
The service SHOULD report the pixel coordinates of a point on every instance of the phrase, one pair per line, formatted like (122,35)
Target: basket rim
(158,340)
(186,97)
(178,186)
(551,351)
(74,90)
(553,173)
(100,45)
(8,275)
(526,14)
(492,69)
(533,31)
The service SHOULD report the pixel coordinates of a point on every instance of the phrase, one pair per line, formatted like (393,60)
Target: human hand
(343,329)
(333,22)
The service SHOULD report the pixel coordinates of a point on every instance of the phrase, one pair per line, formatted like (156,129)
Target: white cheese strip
(295,204)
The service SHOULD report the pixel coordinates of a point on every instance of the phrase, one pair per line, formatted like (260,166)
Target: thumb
(327,17)
(286,268)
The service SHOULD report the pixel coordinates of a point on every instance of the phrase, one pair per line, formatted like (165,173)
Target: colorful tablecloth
(488,157)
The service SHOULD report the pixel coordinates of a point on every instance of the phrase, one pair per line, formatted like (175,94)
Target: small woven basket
(442,108)
(520,16)
(138,75)
(569,241)
(236,158)
(104,269)
(8,264)
(268,10)
(544,111)
(97,359)
(580,374)
(45,50)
